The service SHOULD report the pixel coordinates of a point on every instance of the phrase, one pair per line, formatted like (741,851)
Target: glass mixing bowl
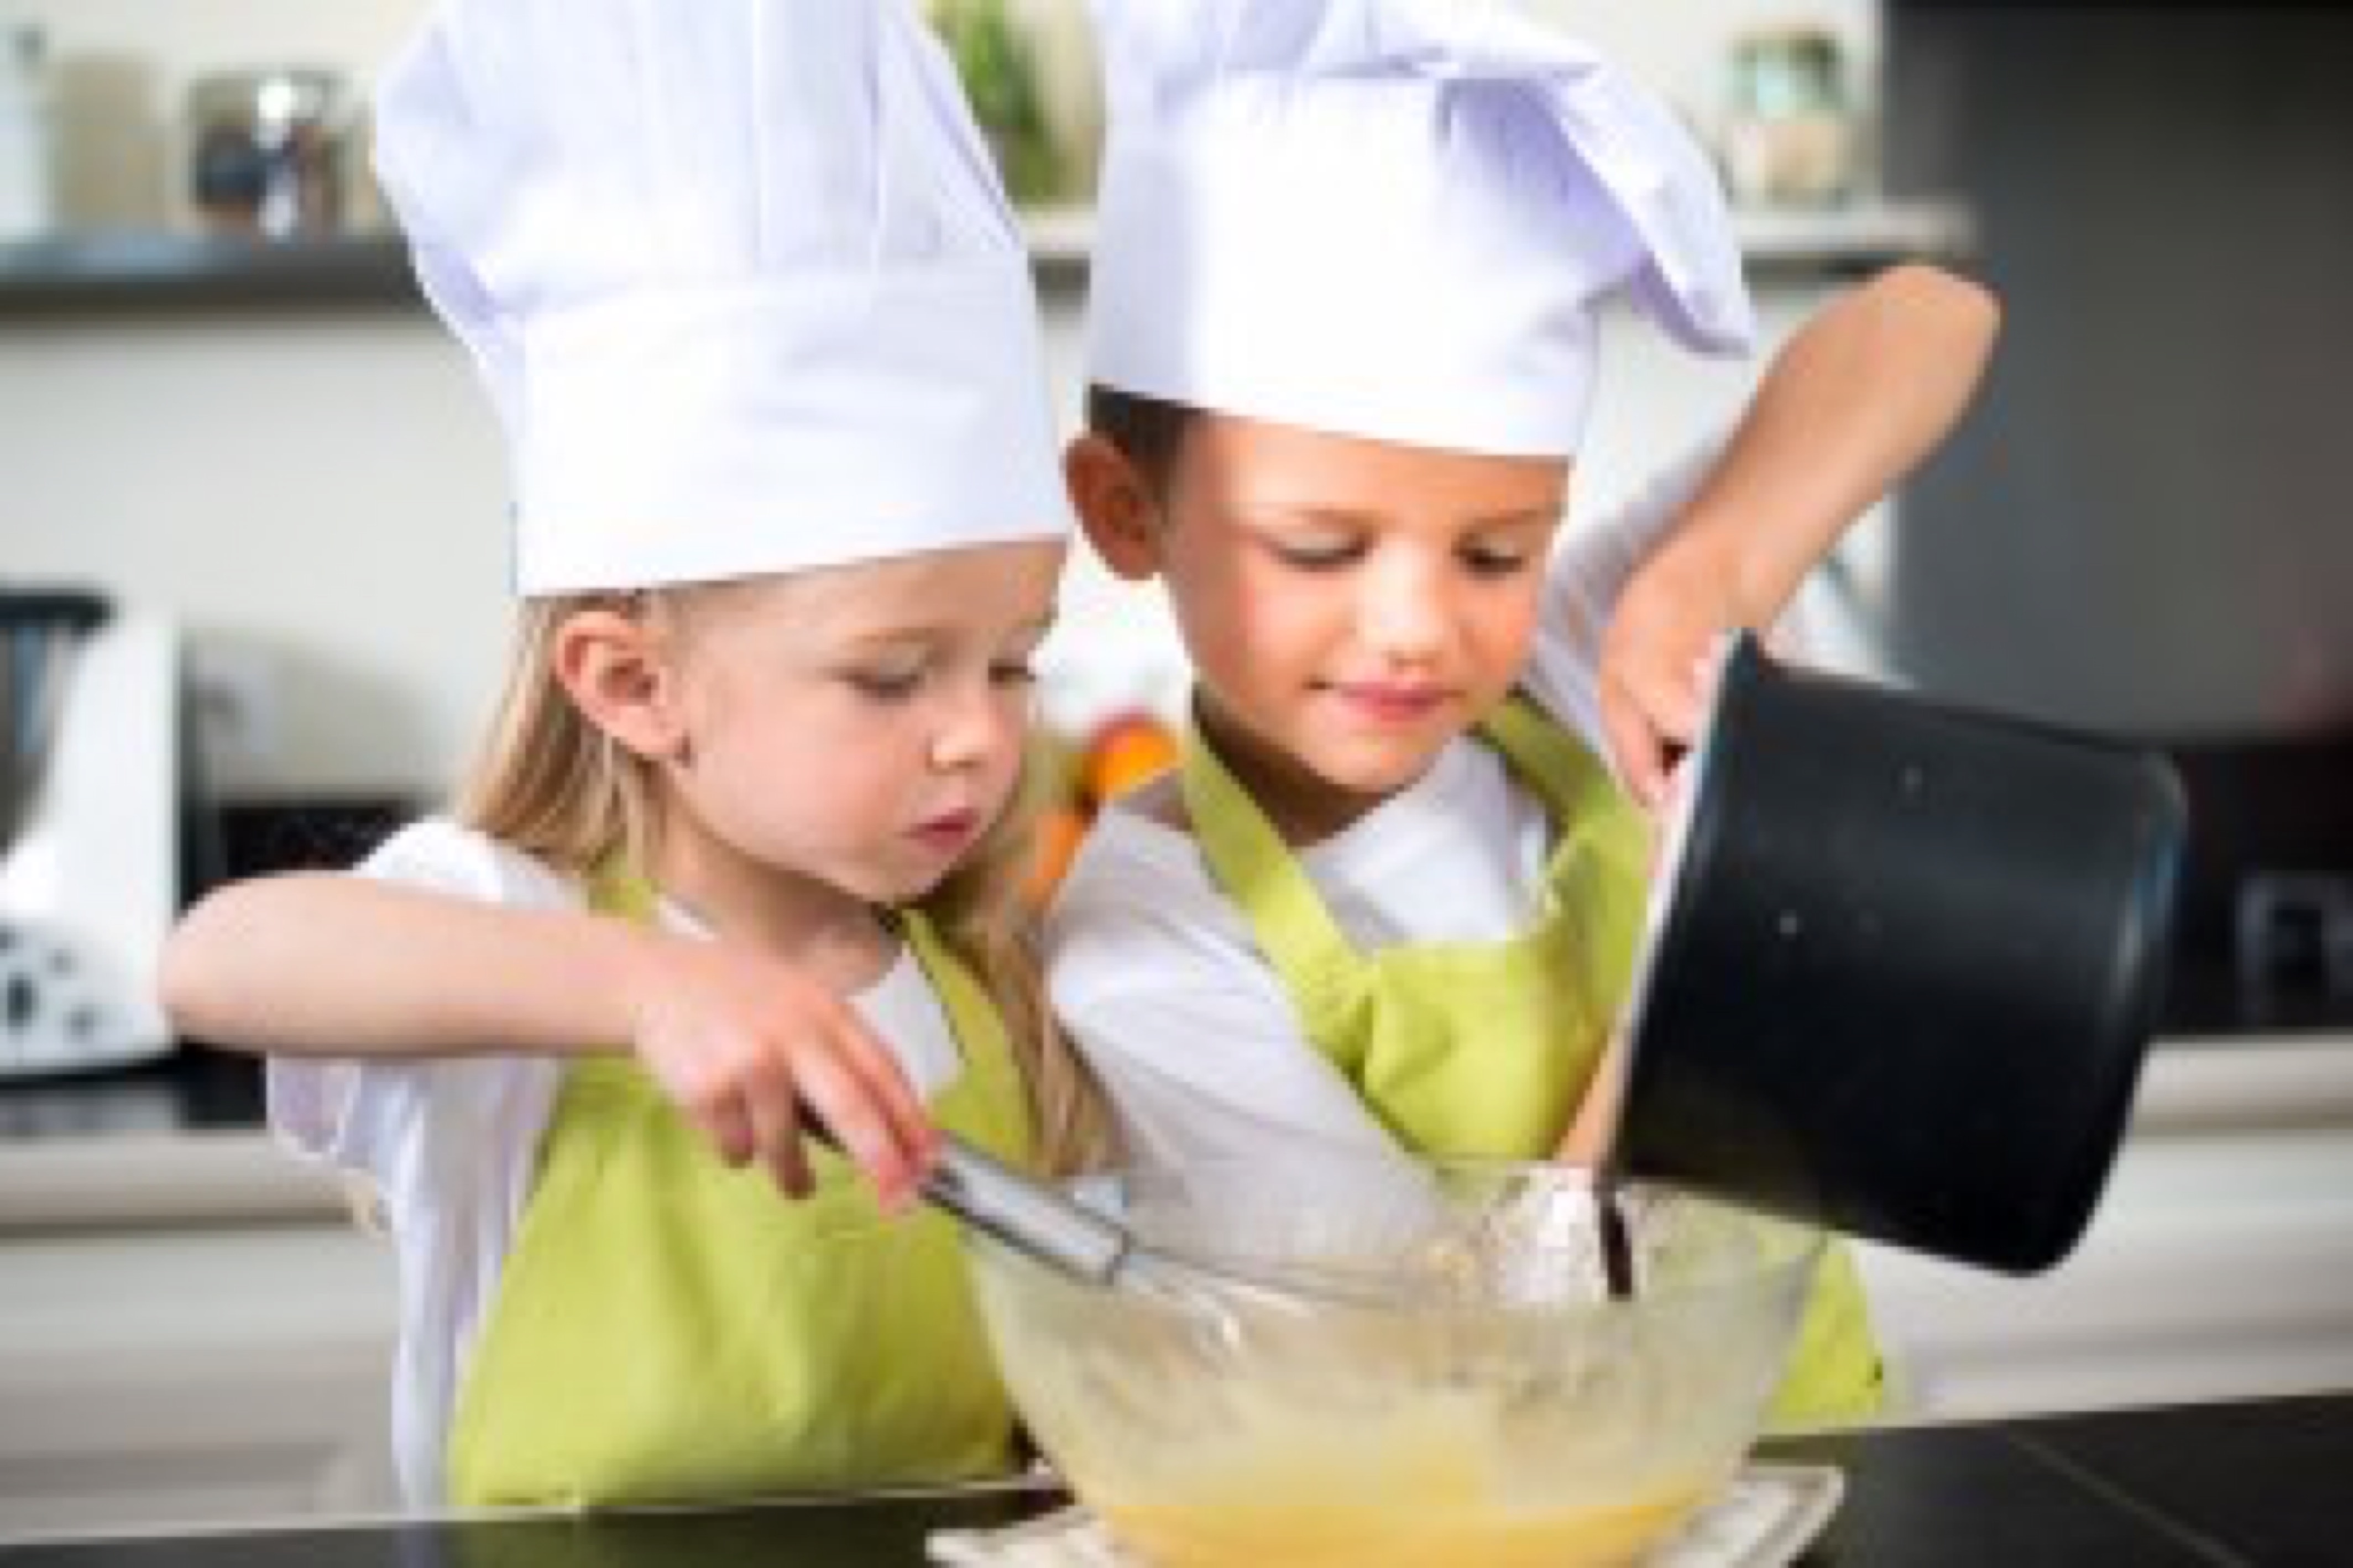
(1422,1366)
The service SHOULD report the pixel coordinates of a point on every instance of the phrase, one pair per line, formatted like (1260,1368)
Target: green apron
(669,1329)
(1484,1049)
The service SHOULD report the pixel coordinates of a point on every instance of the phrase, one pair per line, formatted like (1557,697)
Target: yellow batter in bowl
(1426,1369)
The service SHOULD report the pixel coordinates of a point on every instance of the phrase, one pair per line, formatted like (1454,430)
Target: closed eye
(1317,556)
(885,686)
(1495,561)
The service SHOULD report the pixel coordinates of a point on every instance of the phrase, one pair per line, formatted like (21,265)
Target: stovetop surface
(2262,937)
(193,1090)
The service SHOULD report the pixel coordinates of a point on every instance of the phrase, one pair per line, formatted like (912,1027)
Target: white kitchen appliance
(91,800)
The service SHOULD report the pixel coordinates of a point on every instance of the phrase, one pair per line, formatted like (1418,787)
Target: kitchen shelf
(1856,238)
(135,271)
(1852,238)
(108,272)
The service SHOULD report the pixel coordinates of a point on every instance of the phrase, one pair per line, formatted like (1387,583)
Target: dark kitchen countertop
(192,1089)
(2253,1483)
(2260,1482)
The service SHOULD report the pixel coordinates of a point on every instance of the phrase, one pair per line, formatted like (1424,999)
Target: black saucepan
(1903,967)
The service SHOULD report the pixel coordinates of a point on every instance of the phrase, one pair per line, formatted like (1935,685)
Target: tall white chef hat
(739,275)
(1391,219)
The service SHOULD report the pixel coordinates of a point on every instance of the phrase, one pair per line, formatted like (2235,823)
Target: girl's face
(1350,606)
(857,727)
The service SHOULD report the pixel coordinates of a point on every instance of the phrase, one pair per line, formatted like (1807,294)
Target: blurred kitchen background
(226,419)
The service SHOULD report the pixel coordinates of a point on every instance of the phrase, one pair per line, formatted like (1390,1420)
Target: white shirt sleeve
(1158,981)
(1588,570)
(448,1145)
(353,1113)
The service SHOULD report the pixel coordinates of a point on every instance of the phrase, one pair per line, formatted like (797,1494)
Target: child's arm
(1861,393)
(315,964)
(1589,1134)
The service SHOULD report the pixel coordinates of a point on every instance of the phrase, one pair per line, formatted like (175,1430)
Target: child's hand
(747,1046)
(1853,400)
(1658,663)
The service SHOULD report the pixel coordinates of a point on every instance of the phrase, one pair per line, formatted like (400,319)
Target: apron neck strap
(1568,778)
(1257,870)
(616,887)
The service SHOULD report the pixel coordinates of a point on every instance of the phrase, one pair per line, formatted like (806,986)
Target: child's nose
(1403,612)
(975,726)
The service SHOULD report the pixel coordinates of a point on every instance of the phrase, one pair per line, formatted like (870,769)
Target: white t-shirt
(1158,977)
(449,1144)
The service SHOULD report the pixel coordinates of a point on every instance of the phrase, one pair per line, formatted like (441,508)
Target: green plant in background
(993,56)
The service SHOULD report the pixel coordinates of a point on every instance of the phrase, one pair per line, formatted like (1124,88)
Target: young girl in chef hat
(1342,340)
(759,325)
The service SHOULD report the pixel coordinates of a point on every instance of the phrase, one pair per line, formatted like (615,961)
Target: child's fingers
(774,1113)
(1652,712)
(873,1077)
(877,1071)
(788,1167)
(1640,761)
(1676,700)
(839,1096)
(728,1123)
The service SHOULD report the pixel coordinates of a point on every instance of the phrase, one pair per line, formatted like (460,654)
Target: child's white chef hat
(1391,218)
(741,278)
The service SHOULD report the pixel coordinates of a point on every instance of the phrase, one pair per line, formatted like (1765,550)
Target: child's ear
(613,667)
(1114,506)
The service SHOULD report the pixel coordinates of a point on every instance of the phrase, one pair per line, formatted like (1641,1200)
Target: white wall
(319,494)
(321,498)
(317,498)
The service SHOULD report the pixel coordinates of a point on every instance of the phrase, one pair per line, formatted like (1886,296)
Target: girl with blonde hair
(744,851)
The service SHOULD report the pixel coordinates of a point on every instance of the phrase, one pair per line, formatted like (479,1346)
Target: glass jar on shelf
(266,151)
(1789,132)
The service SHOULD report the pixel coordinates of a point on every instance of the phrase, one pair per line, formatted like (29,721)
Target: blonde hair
(555,785)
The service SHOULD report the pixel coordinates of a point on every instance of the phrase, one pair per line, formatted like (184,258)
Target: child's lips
(1391,703)
(949,830)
